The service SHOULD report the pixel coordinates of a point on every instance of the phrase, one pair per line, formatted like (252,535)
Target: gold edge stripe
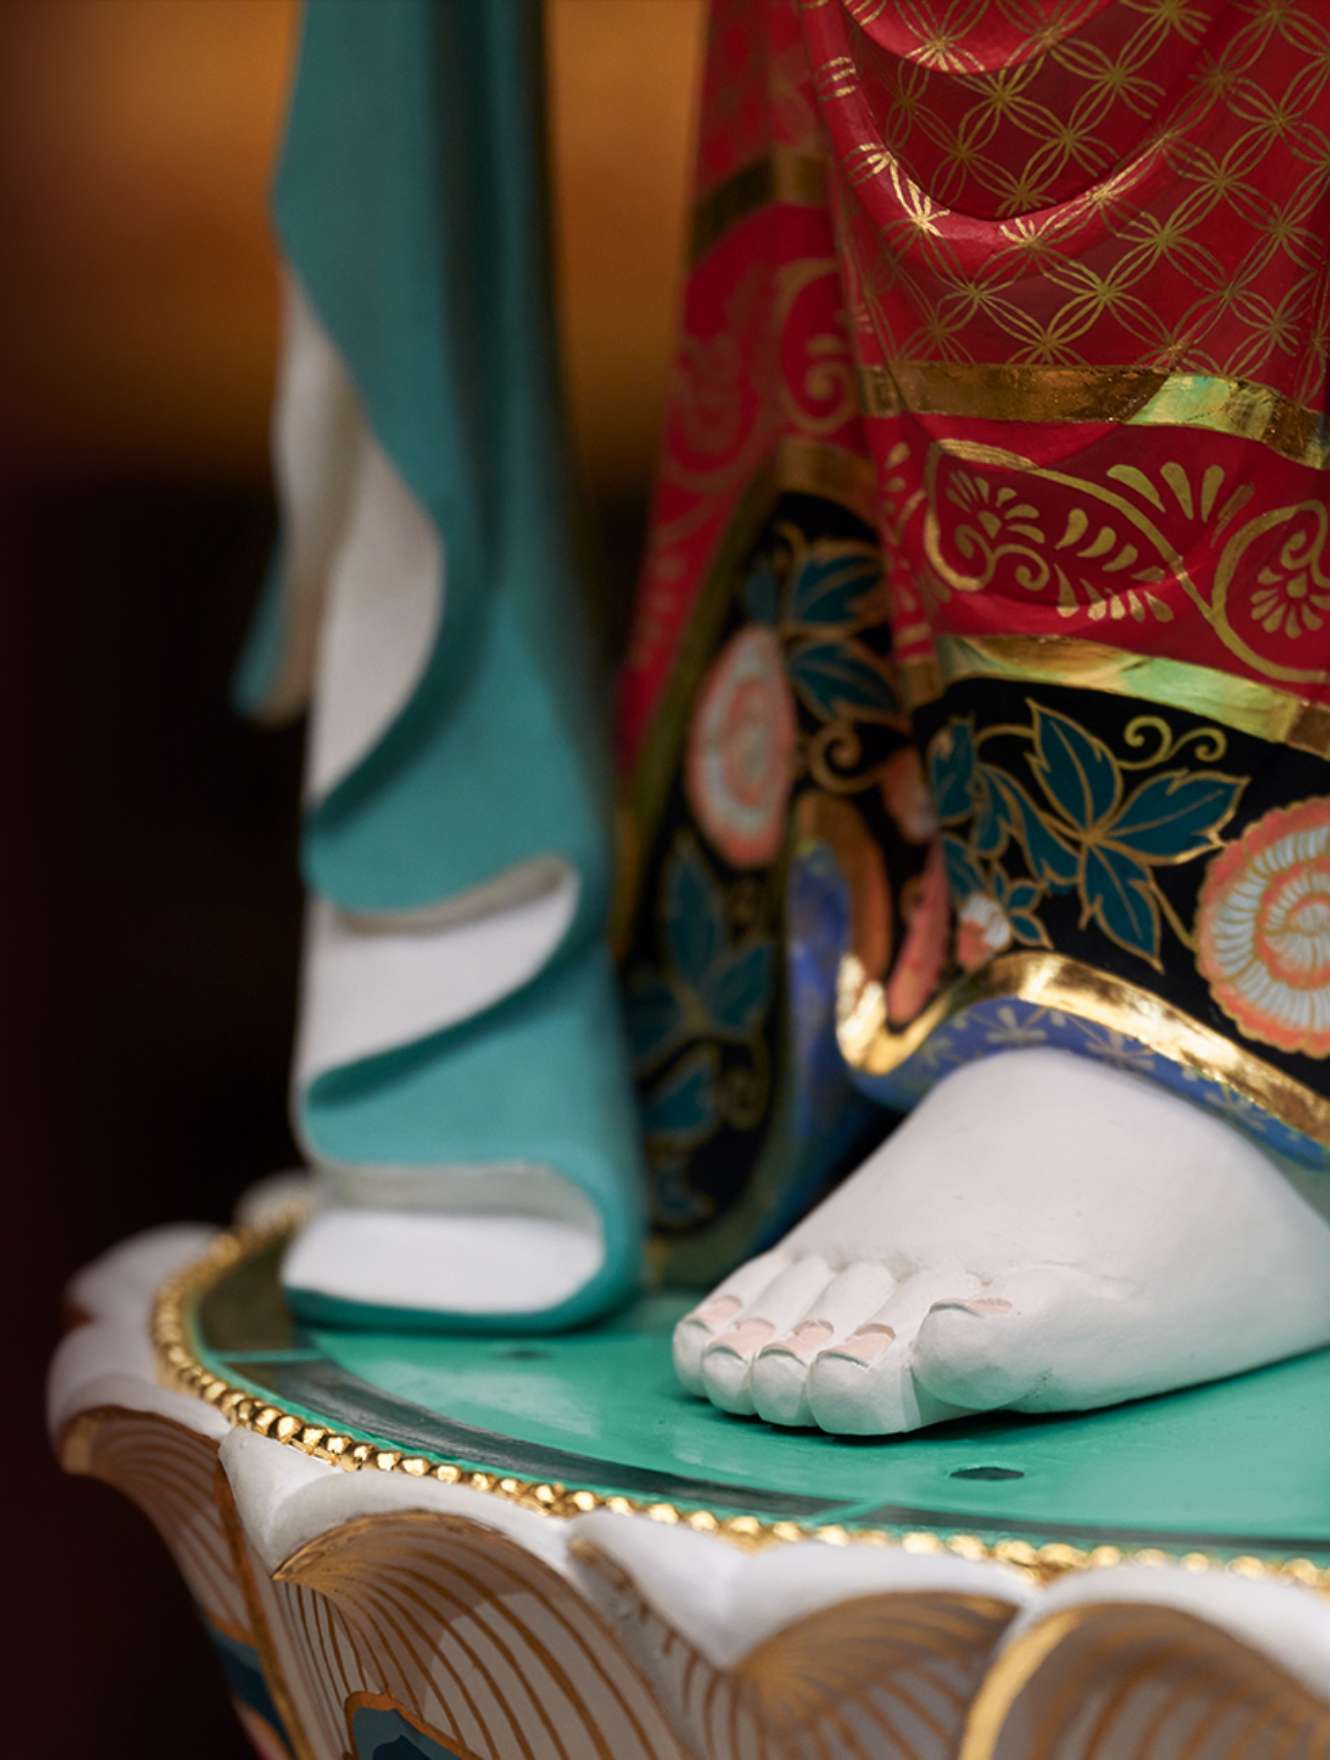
(783,175)
(1246,705)
(179,1367)
(834,473)
(1137,396)
(1052,981)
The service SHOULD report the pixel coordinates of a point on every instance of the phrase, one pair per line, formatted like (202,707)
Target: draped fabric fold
(460,1043)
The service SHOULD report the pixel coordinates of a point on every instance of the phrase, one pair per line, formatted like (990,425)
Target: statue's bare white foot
(1043,1233)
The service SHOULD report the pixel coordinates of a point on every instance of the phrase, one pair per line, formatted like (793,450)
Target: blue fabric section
(1009,1024)
(410,204)
(823,1118)
(819,927)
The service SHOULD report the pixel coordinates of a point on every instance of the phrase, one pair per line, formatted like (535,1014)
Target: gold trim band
(814,467)
(179,1367)
(1052,981)
(1121,395)
(1240,703)
(783,175)
(1019,392)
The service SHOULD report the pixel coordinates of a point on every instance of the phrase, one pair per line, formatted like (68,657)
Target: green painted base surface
(1239,1465)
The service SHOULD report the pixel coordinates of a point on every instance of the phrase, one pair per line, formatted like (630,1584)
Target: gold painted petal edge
(179,1367)
(1050,1639)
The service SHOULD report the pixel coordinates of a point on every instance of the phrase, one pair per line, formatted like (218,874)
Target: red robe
(979,691)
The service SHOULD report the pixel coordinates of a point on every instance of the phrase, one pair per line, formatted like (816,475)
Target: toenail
(714,1312)
(804,1342)
(865,1345)
(980,1305)
(742,1341)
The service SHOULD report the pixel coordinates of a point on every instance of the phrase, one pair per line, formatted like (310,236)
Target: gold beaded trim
(178,1367)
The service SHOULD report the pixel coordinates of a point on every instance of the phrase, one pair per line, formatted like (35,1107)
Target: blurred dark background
(151,895)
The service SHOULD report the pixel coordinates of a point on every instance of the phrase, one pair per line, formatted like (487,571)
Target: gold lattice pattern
(1148,185)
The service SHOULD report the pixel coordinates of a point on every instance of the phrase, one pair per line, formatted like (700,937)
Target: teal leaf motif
(1052,860)
(682,1103)
(693,925)
(653,1016)
(1176,815)
(762,594)
(992,820)
(1023,896)
(827,590)
(738,993)
(951,770)
(1076,771)
(963,877)
(837,681)
(1117,893)
(1028,930)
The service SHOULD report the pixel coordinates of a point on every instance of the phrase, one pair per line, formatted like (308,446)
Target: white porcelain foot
(1043,1233)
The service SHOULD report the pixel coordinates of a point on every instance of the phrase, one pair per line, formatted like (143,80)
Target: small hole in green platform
(988,1473)
(522,1353)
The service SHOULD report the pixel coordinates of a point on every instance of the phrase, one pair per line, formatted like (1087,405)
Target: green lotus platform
(1240,1466)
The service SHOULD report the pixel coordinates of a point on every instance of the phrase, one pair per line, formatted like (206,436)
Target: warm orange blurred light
(622,74)
(136,145)
(143,292)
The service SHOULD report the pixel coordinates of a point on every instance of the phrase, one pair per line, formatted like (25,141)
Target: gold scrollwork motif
(1291,594)
(1107,554)
(825,397)
(835,759)
(1141,730)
